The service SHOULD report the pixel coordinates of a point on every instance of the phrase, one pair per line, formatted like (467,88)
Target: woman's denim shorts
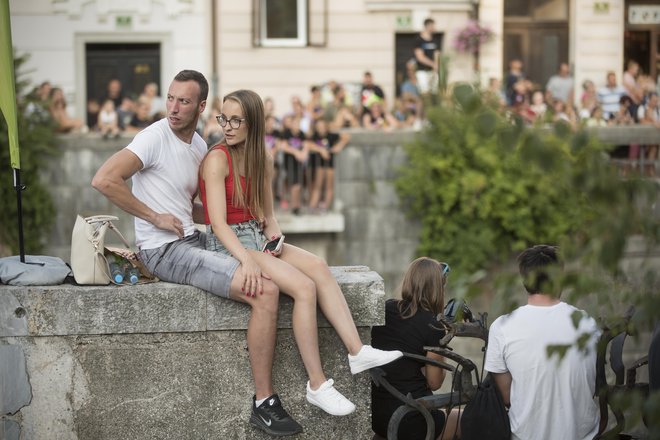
(249,233)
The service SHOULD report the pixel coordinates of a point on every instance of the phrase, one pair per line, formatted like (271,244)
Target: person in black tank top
(407,328)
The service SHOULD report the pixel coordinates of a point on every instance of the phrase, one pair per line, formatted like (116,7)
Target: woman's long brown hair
(255,154)
(423,287)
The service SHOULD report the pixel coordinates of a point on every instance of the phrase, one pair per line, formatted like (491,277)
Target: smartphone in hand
(274,245)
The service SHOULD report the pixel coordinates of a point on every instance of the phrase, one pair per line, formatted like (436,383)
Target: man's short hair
(538,268)
(429,21)
(193,75)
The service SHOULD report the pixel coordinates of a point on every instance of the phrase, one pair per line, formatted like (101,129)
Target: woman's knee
(268,300)
(305,290)
(318,266)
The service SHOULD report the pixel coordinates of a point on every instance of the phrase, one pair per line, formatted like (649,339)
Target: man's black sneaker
(273,418)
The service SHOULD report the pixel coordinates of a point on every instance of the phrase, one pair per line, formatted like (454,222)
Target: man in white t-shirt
(550,397)
(163,162)
(560,86)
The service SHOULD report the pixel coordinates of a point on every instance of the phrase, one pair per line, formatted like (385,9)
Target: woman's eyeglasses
(234,123)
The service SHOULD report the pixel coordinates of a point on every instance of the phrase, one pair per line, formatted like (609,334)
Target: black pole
(19,205)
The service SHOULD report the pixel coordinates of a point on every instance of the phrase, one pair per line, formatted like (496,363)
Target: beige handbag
(88,260)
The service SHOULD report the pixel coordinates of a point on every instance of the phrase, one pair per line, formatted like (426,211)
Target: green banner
(7,84)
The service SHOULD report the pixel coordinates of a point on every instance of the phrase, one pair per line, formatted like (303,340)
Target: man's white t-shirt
(550,398)
(167,181)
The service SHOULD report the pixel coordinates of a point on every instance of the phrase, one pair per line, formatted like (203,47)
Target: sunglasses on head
(445,268)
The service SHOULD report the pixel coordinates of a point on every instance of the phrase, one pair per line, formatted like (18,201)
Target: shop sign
(643,14)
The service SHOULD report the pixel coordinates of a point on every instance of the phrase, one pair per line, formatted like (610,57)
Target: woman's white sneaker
(329,399)
(369,357)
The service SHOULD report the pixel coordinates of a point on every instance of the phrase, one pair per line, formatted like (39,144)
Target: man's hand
(168,222)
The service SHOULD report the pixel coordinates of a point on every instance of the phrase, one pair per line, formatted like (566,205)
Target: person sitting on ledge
(236,191)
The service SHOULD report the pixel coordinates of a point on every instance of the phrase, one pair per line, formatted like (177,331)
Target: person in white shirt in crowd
(560,86)
(609,96)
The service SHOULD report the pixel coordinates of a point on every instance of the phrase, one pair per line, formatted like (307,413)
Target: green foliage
(37,147)
(486,187)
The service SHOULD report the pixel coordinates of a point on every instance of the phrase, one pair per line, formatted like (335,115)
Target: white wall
(596,42)
(361,37)
(55,33)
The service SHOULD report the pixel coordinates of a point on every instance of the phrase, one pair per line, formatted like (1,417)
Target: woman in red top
(239,215)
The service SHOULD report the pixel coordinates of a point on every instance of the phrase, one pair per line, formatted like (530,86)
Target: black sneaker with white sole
(272,418)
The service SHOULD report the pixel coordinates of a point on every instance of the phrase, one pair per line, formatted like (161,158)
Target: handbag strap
(100,218)
(111,226)
(108,220)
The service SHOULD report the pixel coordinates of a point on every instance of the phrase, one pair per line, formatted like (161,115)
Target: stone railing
(162,361)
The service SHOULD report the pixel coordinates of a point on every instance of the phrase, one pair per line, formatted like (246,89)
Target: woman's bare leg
(297,285)
(330,297)
(329,187)
(317,187)
(452,426)
(261,332)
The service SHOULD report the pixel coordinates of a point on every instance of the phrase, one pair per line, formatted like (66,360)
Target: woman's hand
(275,253)
(252,283)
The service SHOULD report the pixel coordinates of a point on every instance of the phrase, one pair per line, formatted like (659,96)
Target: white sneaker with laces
(369,357)
(329,399)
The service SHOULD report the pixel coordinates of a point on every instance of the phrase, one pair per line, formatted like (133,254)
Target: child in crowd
(409,327)
(323,146)
(295,157)
(273,141)
(108,122)
(377,118)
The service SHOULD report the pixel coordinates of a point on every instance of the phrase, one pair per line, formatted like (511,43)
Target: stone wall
(162,361)
(368,226)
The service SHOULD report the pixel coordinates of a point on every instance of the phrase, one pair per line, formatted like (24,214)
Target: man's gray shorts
(186,261)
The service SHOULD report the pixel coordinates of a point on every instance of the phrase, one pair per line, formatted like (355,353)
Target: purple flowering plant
(471,37)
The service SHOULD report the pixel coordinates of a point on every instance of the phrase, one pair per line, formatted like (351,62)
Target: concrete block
(354,193)
(167,361)
(81,310)
(59,388)
(9,430)
(13,321)
(350,165)
(14,382)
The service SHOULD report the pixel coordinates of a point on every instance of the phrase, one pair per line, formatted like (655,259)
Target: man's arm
(110,180)
(503,382)
(423,59)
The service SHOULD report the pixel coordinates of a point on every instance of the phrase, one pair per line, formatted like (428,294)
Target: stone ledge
(163,361)
(68,310)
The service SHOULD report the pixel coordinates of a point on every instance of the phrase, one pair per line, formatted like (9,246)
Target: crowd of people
(109,115)
(305,139)
(633,101)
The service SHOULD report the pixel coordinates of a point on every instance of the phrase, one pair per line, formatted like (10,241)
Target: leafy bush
(485,187)
(37,147)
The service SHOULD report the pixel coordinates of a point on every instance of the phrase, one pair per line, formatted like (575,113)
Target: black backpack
(484,416)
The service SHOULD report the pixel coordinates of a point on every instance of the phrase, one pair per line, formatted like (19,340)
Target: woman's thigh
(308,263)
(287,277)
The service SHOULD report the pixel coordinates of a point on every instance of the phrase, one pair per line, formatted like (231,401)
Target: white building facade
(282,47)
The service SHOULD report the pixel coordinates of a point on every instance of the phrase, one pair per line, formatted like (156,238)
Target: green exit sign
(403,21)
(123,22)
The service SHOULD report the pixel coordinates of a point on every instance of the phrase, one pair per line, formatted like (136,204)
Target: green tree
(37,144)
